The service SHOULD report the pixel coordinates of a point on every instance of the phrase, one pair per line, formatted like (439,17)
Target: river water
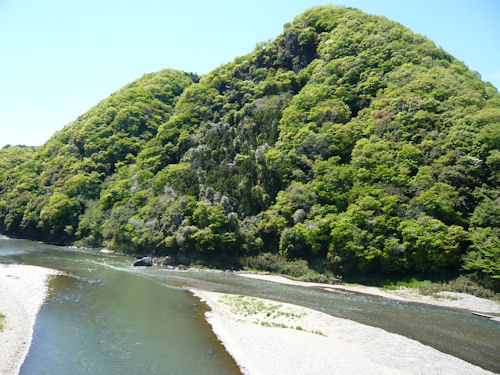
(106,317)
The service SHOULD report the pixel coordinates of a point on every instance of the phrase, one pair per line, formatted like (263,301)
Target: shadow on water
(115,318)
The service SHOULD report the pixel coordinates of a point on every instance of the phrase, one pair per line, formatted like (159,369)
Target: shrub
(462,284)
(276,263)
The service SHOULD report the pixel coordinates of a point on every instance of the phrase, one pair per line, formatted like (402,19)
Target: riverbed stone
(144,262)
(168,261)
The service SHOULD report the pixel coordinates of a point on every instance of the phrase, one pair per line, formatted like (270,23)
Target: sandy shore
(447,299)
(268,337)
(22,292)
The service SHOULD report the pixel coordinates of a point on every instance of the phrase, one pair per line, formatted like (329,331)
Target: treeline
(348,142)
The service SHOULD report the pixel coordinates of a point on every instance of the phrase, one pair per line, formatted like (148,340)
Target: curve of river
(105,317)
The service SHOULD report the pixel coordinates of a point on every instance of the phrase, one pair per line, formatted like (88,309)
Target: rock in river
(145,262)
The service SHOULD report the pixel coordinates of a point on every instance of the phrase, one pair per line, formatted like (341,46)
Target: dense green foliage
(348,142)
(43,192)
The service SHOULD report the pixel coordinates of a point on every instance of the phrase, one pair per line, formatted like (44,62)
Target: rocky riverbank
(22,292)
(268,337)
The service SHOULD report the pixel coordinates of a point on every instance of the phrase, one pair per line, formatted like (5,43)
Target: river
(106,317)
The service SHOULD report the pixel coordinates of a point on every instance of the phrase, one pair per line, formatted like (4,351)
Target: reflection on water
(107,317)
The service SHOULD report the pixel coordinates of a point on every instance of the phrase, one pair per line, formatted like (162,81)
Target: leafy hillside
(43,192)
(348,142)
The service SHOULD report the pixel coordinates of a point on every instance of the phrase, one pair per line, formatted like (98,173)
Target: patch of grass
(273,324)
(248,306)
(242,305)
(389,287)
(409,283)
(289,315)
(429,288)
(318,332)
(281,325)
(2,318)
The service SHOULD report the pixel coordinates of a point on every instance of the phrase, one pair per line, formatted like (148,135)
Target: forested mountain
(348,142)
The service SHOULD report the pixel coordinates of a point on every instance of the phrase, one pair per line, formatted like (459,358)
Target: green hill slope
(348,142)
(43,197)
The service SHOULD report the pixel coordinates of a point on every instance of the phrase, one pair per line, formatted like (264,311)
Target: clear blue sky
(61,57)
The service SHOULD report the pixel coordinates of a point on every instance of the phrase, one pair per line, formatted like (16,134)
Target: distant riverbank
(22,292)
(445,299)
(268,337)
